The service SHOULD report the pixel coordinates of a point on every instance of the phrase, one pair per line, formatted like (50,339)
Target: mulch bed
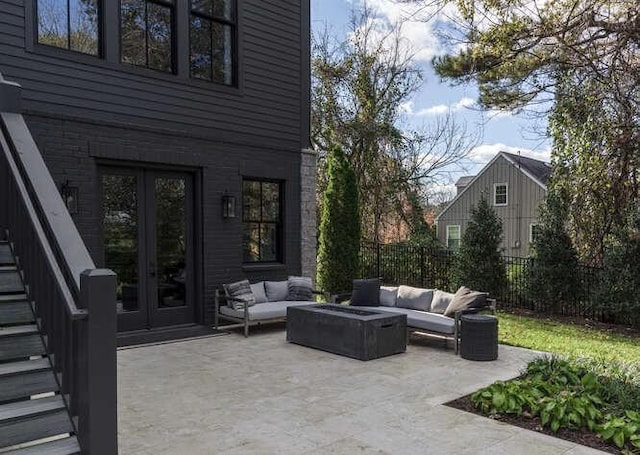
(583,436)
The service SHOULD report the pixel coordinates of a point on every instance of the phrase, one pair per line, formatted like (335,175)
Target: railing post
(98,407)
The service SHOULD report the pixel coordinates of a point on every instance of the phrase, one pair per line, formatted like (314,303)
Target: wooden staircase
(33,414)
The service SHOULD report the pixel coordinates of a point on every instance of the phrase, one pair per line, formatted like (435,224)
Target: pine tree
(479,263)
(339,237)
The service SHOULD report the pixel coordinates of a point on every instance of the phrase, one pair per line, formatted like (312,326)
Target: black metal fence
(429,268)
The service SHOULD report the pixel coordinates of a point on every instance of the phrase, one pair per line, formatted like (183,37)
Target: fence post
(422,270)
(98,407)
(378,260)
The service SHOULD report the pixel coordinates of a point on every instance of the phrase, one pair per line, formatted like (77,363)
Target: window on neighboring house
(534,232)
(453,237)
(262,219)
(146,33)
(212,31)
(500,194)
(69,24)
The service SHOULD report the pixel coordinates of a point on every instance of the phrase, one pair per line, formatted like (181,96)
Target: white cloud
(439,109)
(484,153)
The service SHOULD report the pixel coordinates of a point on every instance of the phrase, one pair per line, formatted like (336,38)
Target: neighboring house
(514,186)
(178,133)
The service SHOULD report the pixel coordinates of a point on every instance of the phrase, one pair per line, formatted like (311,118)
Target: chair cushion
(264,311)
(299,288)
(414,298)
(464,299)
(276,290)
(366,292)
(441,301)
(257,289)
(423,320)
(239,290)
(388,295)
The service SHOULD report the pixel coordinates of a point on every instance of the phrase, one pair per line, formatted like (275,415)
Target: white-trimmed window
(534,231)
(453,237)
(500,194)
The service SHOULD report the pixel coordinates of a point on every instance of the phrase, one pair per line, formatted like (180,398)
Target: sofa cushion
(423,320)
(414,298)
(366,292)
(264,311)
(299,288)
(464,299)
(257,289)
(388,295)
(239,290)
(276,290)
(441,301)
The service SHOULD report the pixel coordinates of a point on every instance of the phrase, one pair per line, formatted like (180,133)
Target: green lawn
(568,340)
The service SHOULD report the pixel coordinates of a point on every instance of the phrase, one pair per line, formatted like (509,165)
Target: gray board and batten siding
(526,180)
(86,112)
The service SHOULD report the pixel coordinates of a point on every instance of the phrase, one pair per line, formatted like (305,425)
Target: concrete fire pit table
(348,331)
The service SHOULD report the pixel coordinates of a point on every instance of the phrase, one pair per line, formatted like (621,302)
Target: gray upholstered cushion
(465,298)
(423,320)
(441,301)
(239,290)
(258,292)
(264,311)
(299,288)
(366,292)
(388,295)
(414,298)
(276,290)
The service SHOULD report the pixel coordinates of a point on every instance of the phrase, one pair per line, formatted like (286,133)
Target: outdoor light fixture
(70,197)
(228,206)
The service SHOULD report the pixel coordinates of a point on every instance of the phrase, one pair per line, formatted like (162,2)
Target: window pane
(132,25)
(52,23)
(251,201)
(270,201)
(159,37)
(251,242)
(200,48)
(83,22)
(222,8)
(203,6)
(268,242)
(222,54)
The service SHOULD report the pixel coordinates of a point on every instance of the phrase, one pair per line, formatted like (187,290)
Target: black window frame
(172,5)
(100,32)
(279,223)
(233,23)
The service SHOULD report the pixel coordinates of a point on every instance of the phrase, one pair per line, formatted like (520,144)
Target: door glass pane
(170,196)
(120,208)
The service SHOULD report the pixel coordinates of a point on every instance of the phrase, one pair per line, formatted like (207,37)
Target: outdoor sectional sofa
(429,311)
(265,302)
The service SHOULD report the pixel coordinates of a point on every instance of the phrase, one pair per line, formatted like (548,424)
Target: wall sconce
(70,197)
(228,206)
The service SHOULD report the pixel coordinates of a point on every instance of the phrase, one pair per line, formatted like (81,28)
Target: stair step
(26,378)
(65,446)
(13,297)
(6,257)
(20,342)
(10,283)
(30,420)
(18,312)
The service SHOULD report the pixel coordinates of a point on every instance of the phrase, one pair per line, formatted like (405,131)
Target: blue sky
(499,131)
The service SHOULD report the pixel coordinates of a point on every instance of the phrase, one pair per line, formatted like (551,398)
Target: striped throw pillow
(239,290)
(300,288)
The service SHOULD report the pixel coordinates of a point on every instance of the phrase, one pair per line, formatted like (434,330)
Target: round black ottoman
(478,337)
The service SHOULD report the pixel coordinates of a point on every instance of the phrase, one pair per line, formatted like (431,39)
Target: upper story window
(146,33)
(212,31)
(70,24)
(262,220)
(453,237)
(500,194)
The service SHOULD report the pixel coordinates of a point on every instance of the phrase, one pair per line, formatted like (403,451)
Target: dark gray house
(515,186)
(178,134)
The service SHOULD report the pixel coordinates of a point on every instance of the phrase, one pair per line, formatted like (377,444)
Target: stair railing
(75,302)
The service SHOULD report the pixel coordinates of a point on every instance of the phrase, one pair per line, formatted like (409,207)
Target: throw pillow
(465,298)
(257,289)
(388,295)
(239,290)
(441,301)
(277,291)
(414,298)
(366,292)
(300,288)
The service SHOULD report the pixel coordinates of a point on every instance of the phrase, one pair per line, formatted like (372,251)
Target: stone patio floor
(262,395)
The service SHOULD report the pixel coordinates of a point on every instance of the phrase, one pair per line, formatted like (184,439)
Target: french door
(148,242)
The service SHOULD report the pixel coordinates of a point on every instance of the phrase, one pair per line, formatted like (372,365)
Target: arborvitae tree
(479,263)
(553,278)
(339,239)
